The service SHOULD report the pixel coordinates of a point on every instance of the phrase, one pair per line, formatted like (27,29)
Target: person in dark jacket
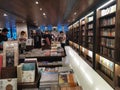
(3,37)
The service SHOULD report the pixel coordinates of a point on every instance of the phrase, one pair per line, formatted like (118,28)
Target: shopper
(62,38)
(37,40)
(3,37)
(22,36)
(47,38)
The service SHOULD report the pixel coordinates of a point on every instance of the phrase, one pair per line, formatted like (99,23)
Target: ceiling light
(75,13)
(5,14)
(40,9)
(44,14)
(36,2)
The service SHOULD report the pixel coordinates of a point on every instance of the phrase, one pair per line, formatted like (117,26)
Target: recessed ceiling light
(36,2)
(75,13)
(40,9)
(5,14)
(44,14)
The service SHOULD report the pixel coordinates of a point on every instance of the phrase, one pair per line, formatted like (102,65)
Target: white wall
(85,75)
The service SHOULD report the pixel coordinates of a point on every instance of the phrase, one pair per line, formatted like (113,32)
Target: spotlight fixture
(36,2)
(40,9)
(44,14)
(5,14)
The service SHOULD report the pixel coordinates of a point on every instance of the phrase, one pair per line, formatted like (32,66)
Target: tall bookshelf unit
(87,37)
(105,40)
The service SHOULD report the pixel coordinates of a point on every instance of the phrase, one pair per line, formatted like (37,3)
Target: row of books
(107,21)
(90,33)
(90,26)
(83,33)
(107,52)
(106,71)
(90,18)
(83,28)
(108,42)
(40,53)
(83,38)
(90,39)
(90,46)
(108,10)
(108,32)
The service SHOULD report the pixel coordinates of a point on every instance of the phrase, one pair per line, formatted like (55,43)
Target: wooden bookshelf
(105,39)
(102,37)
(106,30)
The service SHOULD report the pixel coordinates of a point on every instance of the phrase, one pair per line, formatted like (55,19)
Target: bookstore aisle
(84,74)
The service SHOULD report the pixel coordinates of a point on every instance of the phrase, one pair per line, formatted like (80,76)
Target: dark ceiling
(57,11)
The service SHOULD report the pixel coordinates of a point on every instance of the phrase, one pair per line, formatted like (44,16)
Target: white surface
(85,75)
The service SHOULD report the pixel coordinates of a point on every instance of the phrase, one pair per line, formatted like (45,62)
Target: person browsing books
(62,39)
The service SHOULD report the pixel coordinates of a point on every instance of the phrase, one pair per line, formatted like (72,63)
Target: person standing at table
(62,39)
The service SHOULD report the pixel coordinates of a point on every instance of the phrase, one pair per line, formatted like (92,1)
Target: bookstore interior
(60,45)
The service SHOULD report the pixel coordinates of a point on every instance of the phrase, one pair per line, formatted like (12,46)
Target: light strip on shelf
(90,53)
(89,14)
(105,4)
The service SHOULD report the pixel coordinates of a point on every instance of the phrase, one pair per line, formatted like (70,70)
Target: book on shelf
(108,42)
(107,21)
(90,18)
(8,84)
(90,26)
(110,32)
